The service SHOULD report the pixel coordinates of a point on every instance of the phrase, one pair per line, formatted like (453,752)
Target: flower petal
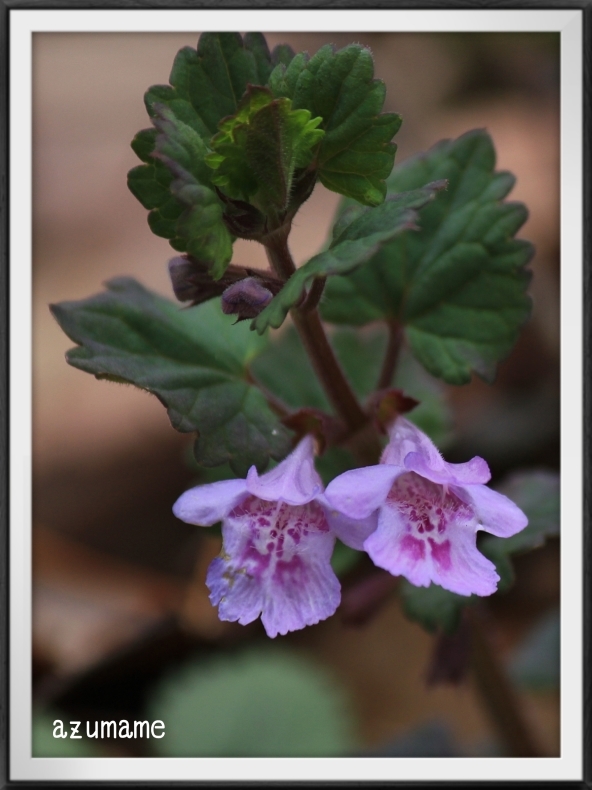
(472,472)
(238,600)
(275,563)
(358,492)
(450,560)
(411,448)
(295,480)
(303,592)
(207,504)
(458,566)
(351,531)
(392,547)
(405,438)
(495,512)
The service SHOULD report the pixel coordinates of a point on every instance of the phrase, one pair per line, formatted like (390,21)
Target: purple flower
(278,537)
(429,512)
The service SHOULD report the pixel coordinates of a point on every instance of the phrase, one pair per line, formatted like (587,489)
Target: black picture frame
(5,571)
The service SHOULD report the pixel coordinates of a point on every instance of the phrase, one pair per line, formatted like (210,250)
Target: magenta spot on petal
(291,572)
(413,547)
(273,536)
(441,553)
(426,507)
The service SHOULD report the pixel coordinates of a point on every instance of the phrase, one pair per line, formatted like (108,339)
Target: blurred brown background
(113,569)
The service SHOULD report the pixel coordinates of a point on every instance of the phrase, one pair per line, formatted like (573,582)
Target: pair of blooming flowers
(414,514)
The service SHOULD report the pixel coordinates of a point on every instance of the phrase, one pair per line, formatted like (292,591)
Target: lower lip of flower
(427,509)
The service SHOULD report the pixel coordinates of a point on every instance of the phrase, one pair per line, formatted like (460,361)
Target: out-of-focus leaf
(256,703)
(285,370)
(194,361)
(433,414)
(344,559)
(432,739)
(458,285)
(433,607)
(537,494)
(357,237)
(535,664)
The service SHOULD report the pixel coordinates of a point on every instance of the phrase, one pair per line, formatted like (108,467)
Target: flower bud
(246,298)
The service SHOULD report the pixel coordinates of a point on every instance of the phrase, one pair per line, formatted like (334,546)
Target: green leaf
(180,147)
(282,54)
(257,151)
(433,415)
(282,80)
(356,154)
(206,85)
(358,237)
(459,285)
(254,703)
(194,361)
(150,184)
(333,462)
(285,370)
(213,78)
(433,607)
(171,185)
(201,225)
(200,222)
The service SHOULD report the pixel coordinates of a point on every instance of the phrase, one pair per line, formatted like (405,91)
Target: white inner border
(567,767)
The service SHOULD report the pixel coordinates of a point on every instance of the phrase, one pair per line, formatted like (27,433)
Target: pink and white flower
(429,512)
(278,537)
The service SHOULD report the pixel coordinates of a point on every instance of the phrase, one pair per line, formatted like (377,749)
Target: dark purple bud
(246,298)
(182,273)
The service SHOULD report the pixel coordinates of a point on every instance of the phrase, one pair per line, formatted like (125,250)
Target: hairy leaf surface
(459,285)
(194,361)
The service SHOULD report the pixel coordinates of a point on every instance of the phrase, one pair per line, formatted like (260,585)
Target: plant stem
(389,364)
(314,295)
(328,369)
(317,346)
(499,696)
(278,254)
